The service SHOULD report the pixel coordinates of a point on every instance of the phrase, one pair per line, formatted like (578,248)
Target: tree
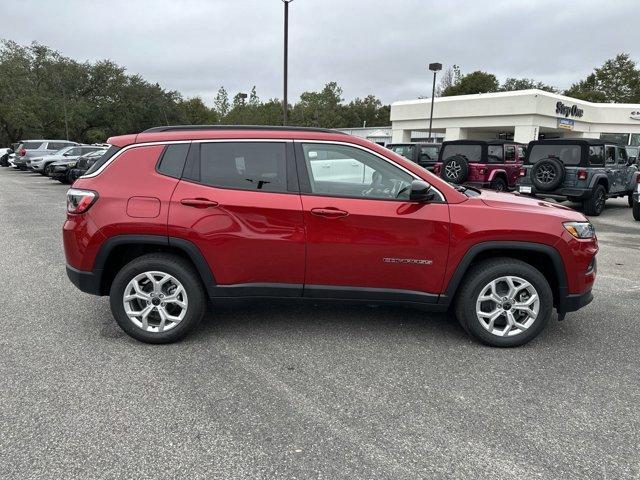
(319,109)
(511,84)
(448,78)
(617,80)
(221,103)
(474,82)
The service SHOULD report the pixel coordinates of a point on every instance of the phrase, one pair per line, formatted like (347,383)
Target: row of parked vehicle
(60,160)
(586,171)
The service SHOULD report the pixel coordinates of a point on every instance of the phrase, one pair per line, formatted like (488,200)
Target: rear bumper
(578,193)
(87,282)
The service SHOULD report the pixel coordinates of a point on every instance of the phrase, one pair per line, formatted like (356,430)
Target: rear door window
(495,154)
(473,153)
(244,165)
(610,155)
(510,153)
(622,156)
(55,146)
(596,156)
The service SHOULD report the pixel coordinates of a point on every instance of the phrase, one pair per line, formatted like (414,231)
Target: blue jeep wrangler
(580,170)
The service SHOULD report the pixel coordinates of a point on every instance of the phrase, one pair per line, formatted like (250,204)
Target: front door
(238,204)
(365,239)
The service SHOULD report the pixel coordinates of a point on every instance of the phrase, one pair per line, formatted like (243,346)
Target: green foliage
(617,80)
(511,84)
(474,82)
(43,94)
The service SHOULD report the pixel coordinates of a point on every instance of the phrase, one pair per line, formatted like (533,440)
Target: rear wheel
(47,170)
(594,205)
(636,210)
(157,298)
(504,302)
(498,184)
(630,199)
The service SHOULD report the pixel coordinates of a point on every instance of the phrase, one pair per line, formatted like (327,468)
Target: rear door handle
(198,202)
(329,212)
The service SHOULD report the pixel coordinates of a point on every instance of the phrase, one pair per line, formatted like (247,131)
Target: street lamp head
(287,1)
(435,67)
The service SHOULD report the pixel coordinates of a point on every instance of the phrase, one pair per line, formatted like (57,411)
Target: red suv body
(172,217)
(493,164)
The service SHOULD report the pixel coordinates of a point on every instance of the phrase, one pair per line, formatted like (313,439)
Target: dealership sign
(565,123)
(635,115)
(566,110)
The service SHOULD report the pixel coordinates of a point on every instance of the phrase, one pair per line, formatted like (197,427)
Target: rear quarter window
(31,145)
(172,160)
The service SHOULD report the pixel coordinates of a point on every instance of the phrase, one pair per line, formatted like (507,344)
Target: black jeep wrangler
(424,154)
(580,170)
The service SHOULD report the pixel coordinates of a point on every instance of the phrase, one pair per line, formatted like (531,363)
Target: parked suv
(490,164)
(580,170)
(61,169)
(69,154)
(29,149)
(175,216)
(424,154)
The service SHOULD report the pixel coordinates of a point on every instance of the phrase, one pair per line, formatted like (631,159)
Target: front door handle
(329,212)
(198,202)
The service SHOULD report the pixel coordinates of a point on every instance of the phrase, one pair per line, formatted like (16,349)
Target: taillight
(79,201)
(582,174)
(522,172)
(482,170)
(638,179)
(23,152)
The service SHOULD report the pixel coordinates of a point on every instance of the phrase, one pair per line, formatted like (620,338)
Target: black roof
(433,144)
(177,128)
(572,141)
(483,142)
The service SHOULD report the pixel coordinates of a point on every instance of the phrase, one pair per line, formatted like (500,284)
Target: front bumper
(87,282)
(59,173)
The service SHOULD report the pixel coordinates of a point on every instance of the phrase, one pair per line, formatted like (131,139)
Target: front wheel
(157,298)
(630,199)
(504,302)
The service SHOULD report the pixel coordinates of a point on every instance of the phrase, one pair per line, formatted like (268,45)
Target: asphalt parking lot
(272,391)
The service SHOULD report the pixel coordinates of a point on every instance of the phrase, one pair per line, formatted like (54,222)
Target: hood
(519,202)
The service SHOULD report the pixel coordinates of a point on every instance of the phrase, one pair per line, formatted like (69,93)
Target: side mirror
(421,192)
(65,154)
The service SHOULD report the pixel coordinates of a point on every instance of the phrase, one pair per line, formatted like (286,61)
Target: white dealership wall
(524,113)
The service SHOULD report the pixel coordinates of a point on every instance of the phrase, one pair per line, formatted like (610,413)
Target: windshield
(405,150)
(473,153)
(567,154)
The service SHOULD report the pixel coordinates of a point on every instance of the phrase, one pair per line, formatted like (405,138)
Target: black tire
(175,266)
(499,185)
(46,170)
(455,169)
(636,210)
(594,205)
(547,174)
(630,199)
(482,274)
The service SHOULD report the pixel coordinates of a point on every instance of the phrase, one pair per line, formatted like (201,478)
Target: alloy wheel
(546,174)
(453,170)
(155,301)
(507,306)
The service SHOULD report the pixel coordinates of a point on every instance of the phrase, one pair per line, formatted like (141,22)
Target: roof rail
(176,128)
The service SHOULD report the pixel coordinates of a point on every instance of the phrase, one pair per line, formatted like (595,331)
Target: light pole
(435,68)
(285,106)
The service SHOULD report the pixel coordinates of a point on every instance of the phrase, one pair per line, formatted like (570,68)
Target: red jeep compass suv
(493,164)
(175,216)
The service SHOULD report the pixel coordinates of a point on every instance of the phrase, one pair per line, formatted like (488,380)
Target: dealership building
(522,115)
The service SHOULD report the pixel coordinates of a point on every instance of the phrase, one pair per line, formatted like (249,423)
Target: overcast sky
(367,46)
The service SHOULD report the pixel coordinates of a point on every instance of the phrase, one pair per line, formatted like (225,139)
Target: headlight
(580,229)
(71,165)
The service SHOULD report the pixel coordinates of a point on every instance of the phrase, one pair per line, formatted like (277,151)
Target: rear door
(512,165)
(622,169)
(238,202)
(365,239)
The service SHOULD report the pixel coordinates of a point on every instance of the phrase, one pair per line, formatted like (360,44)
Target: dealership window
(610,155)
(620,138)
(635,139)
(244,165)
(345,171)
(595,155)
(621,156)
